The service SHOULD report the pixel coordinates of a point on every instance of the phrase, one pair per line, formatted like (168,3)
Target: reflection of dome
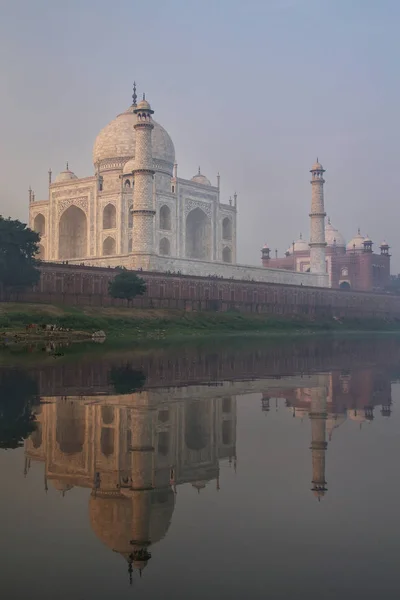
(357,415)
(301,245)
(61,486)
(333,237)
(117,141)
(143,517)
(66,175)
(199,485)
(199,178)
(356,243)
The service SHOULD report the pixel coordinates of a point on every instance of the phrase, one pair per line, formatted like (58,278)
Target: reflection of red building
(354,265)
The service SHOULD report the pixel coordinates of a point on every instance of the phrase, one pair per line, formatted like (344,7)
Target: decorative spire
(301,235)
(134,95)
(359,231)
(50,173)
(144,96)
(199,171)
(67,166)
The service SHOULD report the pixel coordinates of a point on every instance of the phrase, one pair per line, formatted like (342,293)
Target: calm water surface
(264,470)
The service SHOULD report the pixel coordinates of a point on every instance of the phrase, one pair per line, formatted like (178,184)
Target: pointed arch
(130,217)
(72,228)
(227,229)
(41,255)
(198,235)
(109,217)
(109,246)
(165,247)
(165,218)
(39,224)
(227,255)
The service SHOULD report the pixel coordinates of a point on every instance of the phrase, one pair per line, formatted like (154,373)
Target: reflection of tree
(18,395)
(126,380)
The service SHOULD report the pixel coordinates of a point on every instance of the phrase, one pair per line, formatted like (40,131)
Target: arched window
(107,441)
(130,245)
(227,229)
(39,225)
(165,218)
(165,247)
(41,254)
(130,217)
(109,217)
(127,183)
(107,414)
(109,246)
(227,255)
(163,443)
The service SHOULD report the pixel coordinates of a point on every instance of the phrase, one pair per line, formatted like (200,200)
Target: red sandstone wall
(83,286)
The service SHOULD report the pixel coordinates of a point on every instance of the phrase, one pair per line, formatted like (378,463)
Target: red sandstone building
(354,265)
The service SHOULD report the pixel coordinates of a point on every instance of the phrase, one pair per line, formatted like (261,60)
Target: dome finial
(301,236)
(329,220)
(199,171)
(144,96)
(134,95)
(359,231)
(67,166)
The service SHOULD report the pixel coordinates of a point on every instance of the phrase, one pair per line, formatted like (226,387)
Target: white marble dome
(317,166)
(199,178)
(333,237)
(117,140)
(66,175)
(357,242)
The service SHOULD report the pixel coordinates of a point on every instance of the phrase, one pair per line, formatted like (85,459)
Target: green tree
(18,248)
(18,396)
(126,285)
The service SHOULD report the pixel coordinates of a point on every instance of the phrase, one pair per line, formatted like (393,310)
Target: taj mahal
(136,212)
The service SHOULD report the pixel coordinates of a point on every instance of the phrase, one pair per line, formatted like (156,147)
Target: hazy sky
(256,90)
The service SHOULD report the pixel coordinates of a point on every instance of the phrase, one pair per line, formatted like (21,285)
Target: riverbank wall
(81,285)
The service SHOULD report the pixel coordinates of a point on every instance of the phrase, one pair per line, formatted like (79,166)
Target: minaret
(143,203)
(317,216)
(318,416)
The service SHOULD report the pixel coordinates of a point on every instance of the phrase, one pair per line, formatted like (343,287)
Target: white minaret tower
(317,216)
(143,203)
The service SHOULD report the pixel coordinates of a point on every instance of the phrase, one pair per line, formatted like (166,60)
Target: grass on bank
(160,323)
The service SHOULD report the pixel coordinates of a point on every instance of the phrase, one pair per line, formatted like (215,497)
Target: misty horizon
(254,92)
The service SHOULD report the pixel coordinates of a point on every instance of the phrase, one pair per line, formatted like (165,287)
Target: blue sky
(254,90)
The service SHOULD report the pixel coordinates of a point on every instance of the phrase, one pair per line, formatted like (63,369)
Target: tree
(18,247)
(126,285)
(126,380)
(18,396)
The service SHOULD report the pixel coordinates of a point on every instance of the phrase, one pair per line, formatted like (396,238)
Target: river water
(226,471)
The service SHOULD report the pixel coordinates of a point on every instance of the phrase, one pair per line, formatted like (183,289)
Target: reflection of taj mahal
(132,452)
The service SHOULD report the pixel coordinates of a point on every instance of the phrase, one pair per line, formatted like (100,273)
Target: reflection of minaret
(318,416)
(142,486)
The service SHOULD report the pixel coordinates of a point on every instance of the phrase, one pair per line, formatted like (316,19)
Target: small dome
(357,415)
(333,237)
(199,178)
(367,240)
(265,247)
(66,175)
(317,166)
(143,105)
(356,243)
(301,245)
(128,167)
(384,244)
